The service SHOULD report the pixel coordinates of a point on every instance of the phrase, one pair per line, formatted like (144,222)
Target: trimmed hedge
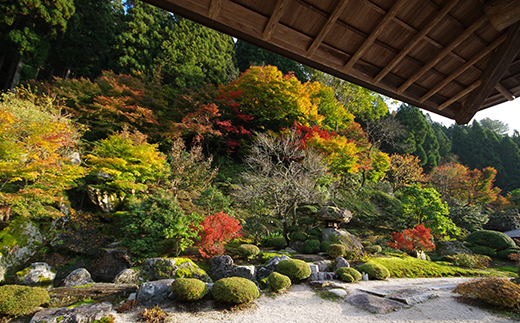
(189,289)
(336,250)
(295,269)
(311,246)
(235,290)
(482,250)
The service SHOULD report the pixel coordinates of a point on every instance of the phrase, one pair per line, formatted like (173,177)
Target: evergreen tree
(509,154)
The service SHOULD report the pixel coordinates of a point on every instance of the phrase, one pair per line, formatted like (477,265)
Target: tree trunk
(285,231)
(37,72)
(17,74)
(10,74)
(2,59)
(51,73)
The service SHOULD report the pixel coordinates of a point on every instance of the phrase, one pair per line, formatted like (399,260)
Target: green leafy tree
(497,126)
(424,205)
(36,143)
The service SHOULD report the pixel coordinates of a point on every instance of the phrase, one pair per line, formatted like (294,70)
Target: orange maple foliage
(418,238)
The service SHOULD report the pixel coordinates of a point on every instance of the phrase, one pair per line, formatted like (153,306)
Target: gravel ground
(301,304)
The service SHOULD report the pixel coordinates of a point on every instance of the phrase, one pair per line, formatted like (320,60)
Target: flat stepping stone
(409,296)
(374,304)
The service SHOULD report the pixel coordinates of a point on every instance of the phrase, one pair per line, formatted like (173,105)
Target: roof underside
(451,57)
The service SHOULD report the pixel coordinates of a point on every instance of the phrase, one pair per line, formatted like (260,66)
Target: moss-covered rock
(348,273)
(295,269)
(248,251)
(235,290)
(189,289)
(492,239)
(17,300)
(373,249)
(374,271)
(278,282)
(168,268)
(336,250)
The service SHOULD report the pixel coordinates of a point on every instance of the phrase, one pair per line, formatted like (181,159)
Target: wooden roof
(451,57)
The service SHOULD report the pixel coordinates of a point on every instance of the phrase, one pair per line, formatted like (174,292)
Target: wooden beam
(373,35)
(459,95)
(463,68)
(442,54)
(494,71)
(214,8)
(416,39)
(327,27)
(275,18)
(505,92)
(502,13)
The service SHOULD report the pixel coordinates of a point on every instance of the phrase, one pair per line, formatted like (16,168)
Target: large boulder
(351,242)
(39,273)
(107,202)
(155,292)
(247,272)
(19,242)
(128,276)
(84,313)
(264,271)
(109,264)
(332,213)
(220,267)
(78,277)
(450,248)
(166,268)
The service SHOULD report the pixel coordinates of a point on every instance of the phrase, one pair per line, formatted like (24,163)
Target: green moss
(189,289)
(235,290)
(248,251)
(16,300)
(278,282)
(375,270)
(493,239)
(13,234)
(295,269)
(81,286)
(336,250)
(353,274)
(328,296)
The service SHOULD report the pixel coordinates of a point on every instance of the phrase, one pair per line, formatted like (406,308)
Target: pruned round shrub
(324,245)
(235,290)
(374,271)
(277,243)
(278,282)
(504,254)
(293,228)
(492,290)
(336,250)
(17,300)
(493,239)
(311,246)
(248,251)
(295,269)
(189,289)
(343,272)
(297,236)
(313,232)
(373,249)
(482,250)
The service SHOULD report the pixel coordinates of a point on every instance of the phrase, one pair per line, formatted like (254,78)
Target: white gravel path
(301,304)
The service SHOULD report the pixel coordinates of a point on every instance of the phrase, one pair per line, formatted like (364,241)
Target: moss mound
(373,249)
(248,251)
(235,290)
(374,271)
(336,250)
(295,269)
(16,300)
(348,274)
(492,239)
(278,282)
(311,246)
(504,254)
(189,289)
(482,250)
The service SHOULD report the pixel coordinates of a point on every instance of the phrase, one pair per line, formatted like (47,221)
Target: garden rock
(323,265)
(159,268)
(265,271)
(314,268)
(322,276)
(247,272)
(109,264)
(340,262)
(65,296)
(351,242)
(107,202)
(80,314)
(37,273)
(340,292)
(409,296)
(127,276)
(78,277)
(220,267)
(28,239)
(374,304)
(450,248)
(332,213)
(154,292)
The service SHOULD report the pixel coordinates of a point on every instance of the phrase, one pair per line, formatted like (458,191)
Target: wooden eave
(450,57)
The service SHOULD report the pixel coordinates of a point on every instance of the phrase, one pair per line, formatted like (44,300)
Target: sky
(507,112)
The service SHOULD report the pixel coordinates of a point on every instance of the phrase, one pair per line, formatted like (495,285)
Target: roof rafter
(275,18)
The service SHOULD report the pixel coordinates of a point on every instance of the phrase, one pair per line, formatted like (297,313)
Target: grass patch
(328,296)
(410,267)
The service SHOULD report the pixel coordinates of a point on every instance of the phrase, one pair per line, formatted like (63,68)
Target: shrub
(189,289)
(348,274)
(374,271)
(373,249)
(235,290)
(470,261)
(482,250)
(248,251)
(278,282)
(217,230)
(324,246)
(311,246)
(336,250)
(157,218)
(295,269)
(492,290)
(493,239)
(297,236)
(153,315)
(277,243)
(293,228)
(16,300)
(504,254)
(313,232)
